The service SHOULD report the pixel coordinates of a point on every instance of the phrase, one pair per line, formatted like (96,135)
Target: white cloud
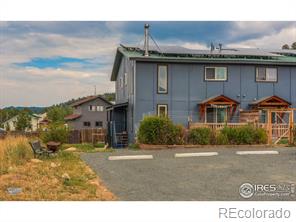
(34,86)
(286,35)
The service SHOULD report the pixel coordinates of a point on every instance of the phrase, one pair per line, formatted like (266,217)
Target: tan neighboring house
(36,121)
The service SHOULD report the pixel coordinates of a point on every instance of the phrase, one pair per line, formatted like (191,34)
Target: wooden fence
(97,135)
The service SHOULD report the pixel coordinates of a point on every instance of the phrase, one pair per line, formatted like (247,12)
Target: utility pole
(95,89)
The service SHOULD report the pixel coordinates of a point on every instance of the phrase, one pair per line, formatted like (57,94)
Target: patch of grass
(134,146)
(14,151)
(45,180)
(88,147)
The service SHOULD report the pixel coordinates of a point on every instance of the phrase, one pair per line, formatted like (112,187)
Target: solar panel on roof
(167,49)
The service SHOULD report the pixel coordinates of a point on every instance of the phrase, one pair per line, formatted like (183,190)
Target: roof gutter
(151,59)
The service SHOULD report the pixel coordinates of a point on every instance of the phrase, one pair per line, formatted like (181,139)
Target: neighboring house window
(86,124)
(125,79)
(91,108)
(215,73)
(216,114)
(99,124)
(162,110)
(162,79)
(100,108)
(266,74)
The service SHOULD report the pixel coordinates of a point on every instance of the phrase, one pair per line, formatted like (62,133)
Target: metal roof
(225,55)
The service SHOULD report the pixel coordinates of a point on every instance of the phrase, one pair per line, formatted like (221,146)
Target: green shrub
(221,139)
(55,132)
(200,136)
(244,135)
(159,130)
(261,136)
(230,134)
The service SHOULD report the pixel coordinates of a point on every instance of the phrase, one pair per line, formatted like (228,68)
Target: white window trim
(160,106)
(267,80)
(167,76)
(226,76)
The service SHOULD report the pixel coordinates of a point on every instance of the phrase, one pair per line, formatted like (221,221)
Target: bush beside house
(156,130)
(160,130)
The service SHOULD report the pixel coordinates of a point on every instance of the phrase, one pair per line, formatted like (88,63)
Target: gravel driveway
(167,178)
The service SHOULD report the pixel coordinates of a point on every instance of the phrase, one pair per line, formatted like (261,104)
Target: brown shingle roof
(72,116)
(87,99)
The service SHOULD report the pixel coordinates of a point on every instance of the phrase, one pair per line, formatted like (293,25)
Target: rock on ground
(66,176)
(36,161)
(71,149)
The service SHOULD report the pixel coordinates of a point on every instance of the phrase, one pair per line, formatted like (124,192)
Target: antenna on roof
(95,88)
(146,42)
(220,47)
(212,47)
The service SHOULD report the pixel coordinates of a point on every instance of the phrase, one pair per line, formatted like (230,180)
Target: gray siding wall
(126,93)
(90,116)
(187,88)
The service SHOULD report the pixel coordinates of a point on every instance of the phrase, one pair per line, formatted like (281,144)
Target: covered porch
(117,125)
(217,109)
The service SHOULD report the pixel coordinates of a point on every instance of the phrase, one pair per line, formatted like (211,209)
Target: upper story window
(162,79)
(215,73)
(95,108)
(91,108)
(264,74)
(125,79)
(100,108)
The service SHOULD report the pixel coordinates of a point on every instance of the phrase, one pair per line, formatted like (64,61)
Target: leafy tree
(57,132)
(293,45)
(23,121)
(286,46)
(57,113)
(109,96)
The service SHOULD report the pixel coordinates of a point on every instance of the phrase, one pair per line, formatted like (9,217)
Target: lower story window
(86,124)
(99,124)
(216,114)
(162,109)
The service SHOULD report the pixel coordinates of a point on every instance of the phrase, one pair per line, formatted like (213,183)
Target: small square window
(162,110)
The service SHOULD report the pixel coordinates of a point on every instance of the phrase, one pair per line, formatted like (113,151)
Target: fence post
(291,127)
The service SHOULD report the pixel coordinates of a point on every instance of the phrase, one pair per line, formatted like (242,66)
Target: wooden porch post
(269,126)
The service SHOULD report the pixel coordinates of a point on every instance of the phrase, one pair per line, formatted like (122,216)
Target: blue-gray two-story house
(214,85)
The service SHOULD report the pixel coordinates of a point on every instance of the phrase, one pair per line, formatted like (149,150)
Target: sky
(45,63)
